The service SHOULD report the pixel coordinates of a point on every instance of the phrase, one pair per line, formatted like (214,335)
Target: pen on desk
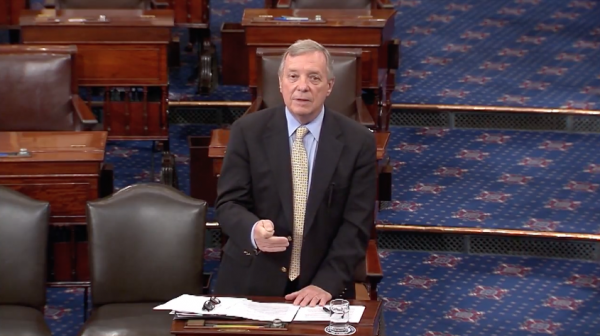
(290,18)
(236,326)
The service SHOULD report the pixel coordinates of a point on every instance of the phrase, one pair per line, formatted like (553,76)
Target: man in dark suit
(296,194)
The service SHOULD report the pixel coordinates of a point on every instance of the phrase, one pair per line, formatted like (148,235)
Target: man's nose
(303,84)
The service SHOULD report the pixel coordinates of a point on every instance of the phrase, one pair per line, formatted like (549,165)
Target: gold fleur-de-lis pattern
(300,187)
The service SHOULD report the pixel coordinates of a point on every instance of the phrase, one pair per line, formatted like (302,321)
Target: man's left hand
(309,296)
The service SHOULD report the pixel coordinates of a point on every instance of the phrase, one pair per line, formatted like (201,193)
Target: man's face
(304,85)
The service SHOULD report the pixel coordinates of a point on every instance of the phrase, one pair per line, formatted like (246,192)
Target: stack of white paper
(234,307)
(191,306)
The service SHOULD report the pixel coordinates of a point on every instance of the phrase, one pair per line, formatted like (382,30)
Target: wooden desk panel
(64,169)
(128,50)
(220,138)
(10,10)
(117,64)
(67,197)
(191,13)
(370,30)
(72,34)
(368,325)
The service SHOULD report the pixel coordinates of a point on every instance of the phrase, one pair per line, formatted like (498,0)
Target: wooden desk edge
(220,137)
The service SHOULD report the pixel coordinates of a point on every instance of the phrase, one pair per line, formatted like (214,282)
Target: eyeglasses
(210,304)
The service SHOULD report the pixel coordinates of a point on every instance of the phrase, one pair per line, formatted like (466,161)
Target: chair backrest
(23,249)
(37,85)
(331,4)
(102,4)
(346,69)
(146,245)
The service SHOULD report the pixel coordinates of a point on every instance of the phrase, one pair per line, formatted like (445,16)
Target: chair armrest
(284,3)
(158,4)
(374,271)
(255,106)
(362,114)
(381,141)
(373,264)
(384,4)
(219,138)
(83,112)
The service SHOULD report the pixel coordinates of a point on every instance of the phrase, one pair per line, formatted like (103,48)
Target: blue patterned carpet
(531,53)
(527,53)
(452,295)
(540,181)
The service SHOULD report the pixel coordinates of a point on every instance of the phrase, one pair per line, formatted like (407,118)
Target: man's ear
(330,86)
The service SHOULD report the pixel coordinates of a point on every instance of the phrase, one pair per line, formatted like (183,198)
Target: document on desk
(193,304)
(234,307)
(311,314)
(264,311)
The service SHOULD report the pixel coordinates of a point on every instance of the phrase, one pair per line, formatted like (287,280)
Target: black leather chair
(346,96)
(23,246)
(39,90)
(146,248)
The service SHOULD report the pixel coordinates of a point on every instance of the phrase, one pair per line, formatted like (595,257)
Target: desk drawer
(67,199)
(114,64)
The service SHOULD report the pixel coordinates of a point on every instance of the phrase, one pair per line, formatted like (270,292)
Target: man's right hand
(264,231)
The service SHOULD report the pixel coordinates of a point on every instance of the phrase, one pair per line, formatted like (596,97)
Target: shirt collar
(314,127)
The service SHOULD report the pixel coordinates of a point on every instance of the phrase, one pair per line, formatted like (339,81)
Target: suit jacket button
(247,253)
(283,269)
(289,238)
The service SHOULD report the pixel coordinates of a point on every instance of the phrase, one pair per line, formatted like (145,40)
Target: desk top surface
(220,138)
(53,146)
(376,18)
(366,326)
(98,17)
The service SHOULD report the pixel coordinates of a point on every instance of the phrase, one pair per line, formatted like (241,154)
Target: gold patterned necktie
(300,187)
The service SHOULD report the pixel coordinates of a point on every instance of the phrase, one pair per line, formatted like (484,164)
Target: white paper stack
(191,306)
(234,307)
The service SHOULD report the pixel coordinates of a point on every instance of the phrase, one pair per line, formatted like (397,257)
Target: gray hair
(301,47)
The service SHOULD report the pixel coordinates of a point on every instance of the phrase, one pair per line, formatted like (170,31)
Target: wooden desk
(188,13)
(125,55)
(370,30)
(369,324)
(220,138)
(10,10)
(64,169)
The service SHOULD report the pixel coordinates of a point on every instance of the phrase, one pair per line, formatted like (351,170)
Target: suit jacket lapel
(326,160)
(277,146)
